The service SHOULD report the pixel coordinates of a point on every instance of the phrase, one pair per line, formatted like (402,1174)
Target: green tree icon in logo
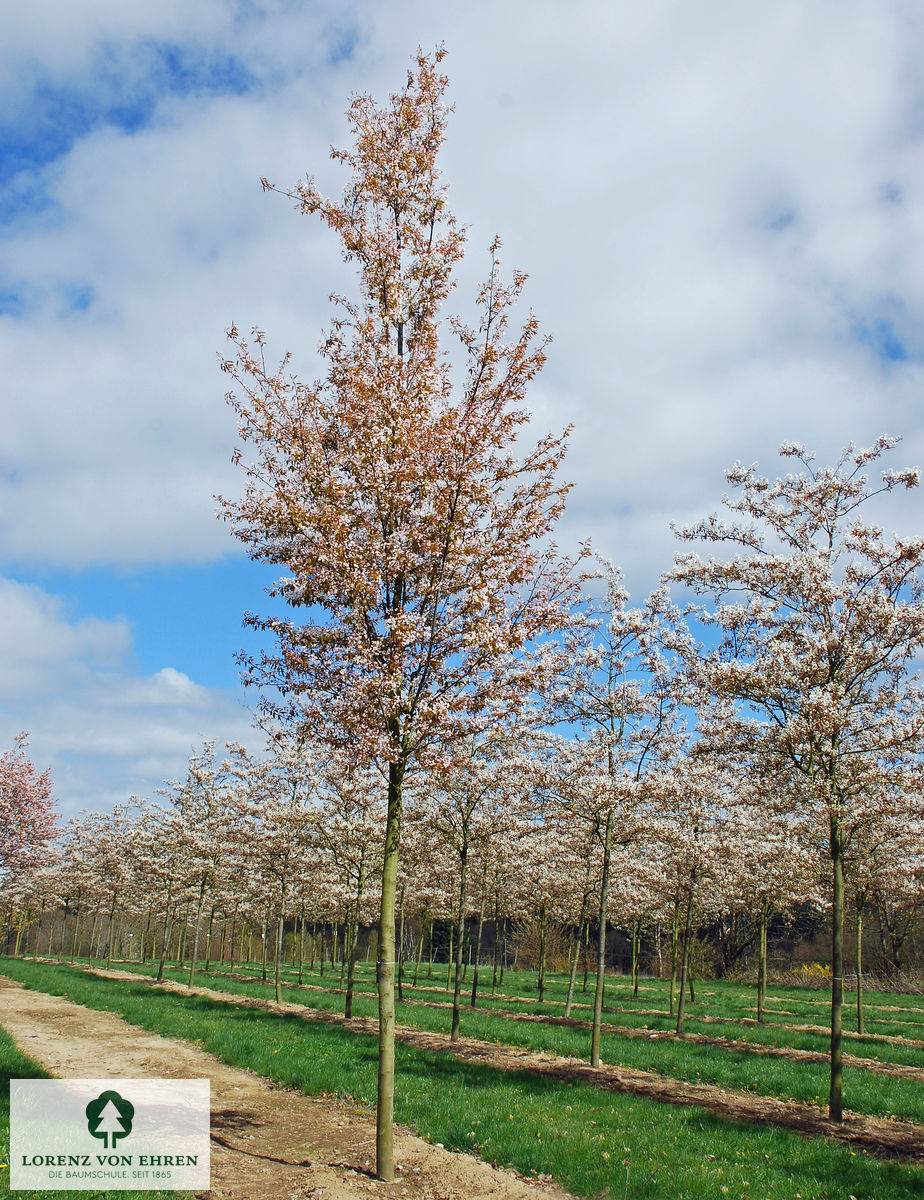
(109,1117)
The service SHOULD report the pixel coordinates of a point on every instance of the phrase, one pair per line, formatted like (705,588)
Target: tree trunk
(762,964)
(478,944)
(449,956)
(636,948)
(168,933)
(385,1108)
(860,967)
(280,930)
(420,946)
(354,942)
(674,929)
(111,931)
(460,937)
(835,1105)
(684,962)
(543,938)
(601,941)
(195,950)
(208,938)
(572,977)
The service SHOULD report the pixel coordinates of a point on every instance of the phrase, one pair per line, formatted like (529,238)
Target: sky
(720,207)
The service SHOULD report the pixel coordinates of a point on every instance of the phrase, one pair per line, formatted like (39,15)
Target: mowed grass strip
(885,1014)
(738,1069)
(592,1143)
(16,1065)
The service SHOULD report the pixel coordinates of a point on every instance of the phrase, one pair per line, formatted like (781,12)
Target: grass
(593,1143)
(16,1065)
(739,1068)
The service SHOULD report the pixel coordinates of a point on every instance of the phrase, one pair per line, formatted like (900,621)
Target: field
(732,1109)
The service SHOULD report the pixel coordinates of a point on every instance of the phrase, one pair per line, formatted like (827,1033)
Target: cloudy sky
(720,207)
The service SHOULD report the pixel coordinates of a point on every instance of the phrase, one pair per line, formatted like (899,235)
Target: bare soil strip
(877,1136)
(269,1143)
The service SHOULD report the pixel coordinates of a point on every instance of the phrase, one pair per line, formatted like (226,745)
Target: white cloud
(105,731)
(721,207)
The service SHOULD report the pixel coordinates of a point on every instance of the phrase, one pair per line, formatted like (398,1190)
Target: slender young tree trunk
(586,955)
(195,949)
(478,944)
(208,938)
(572,977)
(674,930)
(385,1108)
(168,933)
(263,951)
(449,958)
(430,950)
(688,920)
(601,941)
(860,1028)
(543,937)
(147,930)
(280,929)
(301,944)
(835,1101)
(354,942)
(460,931)
(420,946)
(636,945)
(76,939)
(497,942)
(111,932)
(762,964)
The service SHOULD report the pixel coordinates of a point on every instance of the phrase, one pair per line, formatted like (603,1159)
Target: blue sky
(721,208)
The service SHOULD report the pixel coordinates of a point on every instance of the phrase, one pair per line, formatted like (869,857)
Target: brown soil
(877,1136)
(269,1143)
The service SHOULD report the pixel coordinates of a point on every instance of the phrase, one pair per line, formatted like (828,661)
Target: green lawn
(588,1140)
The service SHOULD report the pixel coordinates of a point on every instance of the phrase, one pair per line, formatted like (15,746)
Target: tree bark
(762,964)
(860,1028)
(460,938)
(685,952)
(601,941)
(835,1098)
(385,1108)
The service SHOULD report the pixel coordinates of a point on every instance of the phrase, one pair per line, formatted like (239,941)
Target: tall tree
(415,541)
(818,618)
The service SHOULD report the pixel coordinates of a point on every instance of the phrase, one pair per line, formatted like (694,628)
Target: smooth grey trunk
(835,1096)
(762,964)
(460,937)
(385,971)
(195,949)
(688,920)
(601,941)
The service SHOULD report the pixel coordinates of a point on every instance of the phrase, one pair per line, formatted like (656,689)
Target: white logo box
(146,1134)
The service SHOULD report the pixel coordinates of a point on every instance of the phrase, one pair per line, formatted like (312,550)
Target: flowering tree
(623,698)
(819,617)
(27,813)
(415,542)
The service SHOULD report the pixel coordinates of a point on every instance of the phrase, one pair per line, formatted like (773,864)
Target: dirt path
(877,1136)
(268,1143)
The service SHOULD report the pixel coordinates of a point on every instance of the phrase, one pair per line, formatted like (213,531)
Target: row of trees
(244,855)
